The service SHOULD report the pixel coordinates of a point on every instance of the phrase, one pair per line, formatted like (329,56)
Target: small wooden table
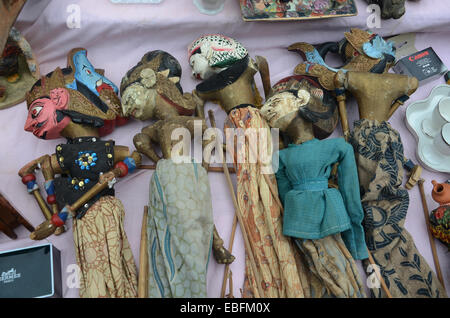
(10,219)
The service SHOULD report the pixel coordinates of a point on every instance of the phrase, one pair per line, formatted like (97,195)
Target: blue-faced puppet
(79,176)
(92,83)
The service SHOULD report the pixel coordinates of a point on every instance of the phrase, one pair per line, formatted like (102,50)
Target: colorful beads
(49,187)
(51,199)
(28,178)
(123,168)
(86,160)
(339,91)
(56,220)
(30,181)
(131,164)
(63,215)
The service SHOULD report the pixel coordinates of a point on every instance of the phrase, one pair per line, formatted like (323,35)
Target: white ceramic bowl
(441,115)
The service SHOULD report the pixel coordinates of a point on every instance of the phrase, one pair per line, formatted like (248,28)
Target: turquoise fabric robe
(311,209)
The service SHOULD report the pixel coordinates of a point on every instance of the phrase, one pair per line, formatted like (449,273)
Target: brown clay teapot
(441,192)
(440,217)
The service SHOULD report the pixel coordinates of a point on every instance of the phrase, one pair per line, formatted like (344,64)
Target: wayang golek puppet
(179,226)
(379,156)
(227,72)
(361,51)
(79,176)
(378,152)
(324,221)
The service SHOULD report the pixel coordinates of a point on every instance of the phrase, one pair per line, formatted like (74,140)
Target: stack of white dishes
(429,121)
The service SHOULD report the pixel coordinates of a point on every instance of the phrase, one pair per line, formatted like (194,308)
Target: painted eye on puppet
(35,111)
(87,70)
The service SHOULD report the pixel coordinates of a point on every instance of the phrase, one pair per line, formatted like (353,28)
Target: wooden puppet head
(361,51)
(52,106)
(152,90)
(302,94)
(211,54)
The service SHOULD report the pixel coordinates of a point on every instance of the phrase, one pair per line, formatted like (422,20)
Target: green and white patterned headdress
(221,51)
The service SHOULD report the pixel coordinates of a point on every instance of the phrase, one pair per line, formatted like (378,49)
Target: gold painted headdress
(77,102)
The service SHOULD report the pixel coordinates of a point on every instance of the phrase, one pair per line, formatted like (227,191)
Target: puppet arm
(349,188)
(49,167)
(123,165)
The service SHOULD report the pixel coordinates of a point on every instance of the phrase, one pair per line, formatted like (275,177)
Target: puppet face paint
(213,53)
(86,74)
(280,109)
(44,120)
(139,101)
(200,67)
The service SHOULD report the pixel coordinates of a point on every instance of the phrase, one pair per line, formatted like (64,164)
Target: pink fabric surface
(117,36)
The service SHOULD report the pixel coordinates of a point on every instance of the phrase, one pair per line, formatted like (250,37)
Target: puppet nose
(29,126)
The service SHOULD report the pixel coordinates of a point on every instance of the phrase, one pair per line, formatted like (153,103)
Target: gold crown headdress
(77,101)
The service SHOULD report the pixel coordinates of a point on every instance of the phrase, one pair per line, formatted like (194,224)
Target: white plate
(426,152)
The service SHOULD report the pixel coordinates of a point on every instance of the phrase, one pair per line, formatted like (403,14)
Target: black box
(425,65)
(31,272)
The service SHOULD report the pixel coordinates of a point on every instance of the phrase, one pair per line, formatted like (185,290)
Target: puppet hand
(107,177)
(223,256)
(43,231)
(33,165)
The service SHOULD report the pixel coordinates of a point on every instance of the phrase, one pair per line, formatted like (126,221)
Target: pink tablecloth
(116,37)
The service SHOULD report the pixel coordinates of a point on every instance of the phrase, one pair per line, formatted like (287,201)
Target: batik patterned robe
(379,156)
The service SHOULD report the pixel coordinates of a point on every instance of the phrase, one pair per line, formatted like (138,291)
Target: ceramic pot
(440,217)
(441,192)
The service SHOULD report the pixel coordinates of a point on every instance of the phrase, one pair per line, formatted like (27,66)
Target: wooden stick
(238,213)
(430,235)
(263,67)
(339,83)
(210,169)
(42,205)
(230,288)
(230,249)
(380,278)
(143,259)
(343,114)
